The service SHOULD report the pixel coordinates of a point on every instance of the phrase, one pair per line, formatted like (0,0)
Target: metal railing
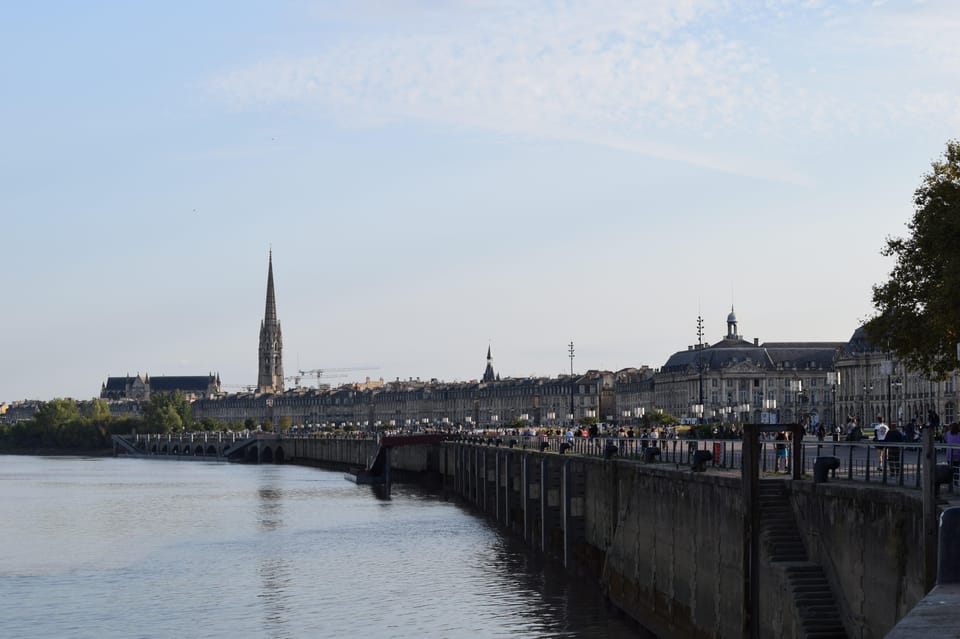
(891,464)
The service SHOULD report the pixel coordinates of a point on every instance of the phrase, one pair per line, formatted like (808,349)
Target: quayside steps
(238,446)
(130,449)
(378,468)
(816,606)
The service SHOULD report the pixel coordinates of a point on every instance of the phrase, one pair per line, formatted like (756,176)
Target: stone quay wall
(666,544)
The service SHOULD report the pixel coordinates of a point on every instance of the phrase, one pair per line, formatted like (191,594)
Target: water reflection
(264,552)
(275,577)
(270,507)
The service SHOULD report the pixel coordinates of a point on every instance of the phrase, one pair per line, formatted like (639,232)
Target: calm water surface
(155,548)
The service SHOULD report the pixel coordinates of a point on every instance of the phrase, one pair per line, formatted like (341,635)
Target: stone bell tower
(270,377)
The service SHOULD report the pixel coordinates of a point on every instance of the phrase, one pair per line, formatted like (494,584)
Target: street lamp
(833,380)
(867,392)
(572,383)
(796,387)
(770,410)
(697,410)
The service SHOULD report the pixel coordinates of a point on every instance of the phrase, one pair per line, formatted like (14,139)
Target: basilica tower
(270,377)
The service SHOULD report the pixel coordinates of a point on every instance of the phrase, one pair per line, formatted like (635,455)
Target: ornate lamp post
(833,380)
(572,384)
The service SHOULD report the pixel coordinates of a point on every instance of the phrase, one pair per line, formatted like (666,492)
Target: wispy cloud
(686,79)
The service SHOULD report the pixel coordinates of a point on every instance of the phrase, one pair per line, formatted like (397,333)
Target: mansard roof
(770,356)
(859,343)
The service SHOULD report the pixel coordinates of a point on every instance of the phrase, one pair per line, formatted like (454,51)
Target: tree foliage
(167,413)
(918,308)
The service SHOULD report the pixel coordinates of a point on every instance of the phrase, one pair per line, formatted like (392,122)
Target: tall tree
(97,410)
(166,412)
(56,412)
(918,308)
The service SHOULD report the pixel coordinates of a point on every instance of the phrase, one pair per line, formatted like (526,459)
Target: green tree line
(69,425)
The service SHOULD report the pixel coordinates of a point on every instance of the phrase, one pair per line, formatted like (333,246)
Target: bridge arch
(175,450)
(211,451)
(278,455)
(266,455)
(198,451)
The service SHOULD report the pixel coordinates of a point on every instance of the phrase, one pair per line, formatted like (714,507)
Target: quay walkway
(863,461)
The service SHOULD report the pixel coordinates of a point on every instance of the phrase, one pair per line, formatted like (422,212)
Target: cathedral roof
(190,383)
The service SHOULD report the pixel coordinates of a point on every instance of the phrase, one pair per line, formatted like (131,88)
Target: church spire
(488,374)
(270,314)
(270,375)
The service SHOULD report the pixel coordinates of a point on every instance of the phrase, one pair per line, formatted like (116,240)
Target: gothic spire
(270,375)
(488,374)
(270,314)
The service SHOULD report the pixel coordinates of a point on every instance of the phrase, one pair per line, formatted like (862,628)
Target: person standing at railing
(880,432)
(783,452)
(894,436)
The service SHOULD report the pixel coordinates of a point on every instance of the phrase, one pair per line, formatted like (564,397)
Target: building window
(948,413)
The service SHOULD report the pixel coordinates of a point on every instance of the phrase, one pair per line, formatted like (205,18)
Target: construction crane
(296,378)
(337,372)
(247,387)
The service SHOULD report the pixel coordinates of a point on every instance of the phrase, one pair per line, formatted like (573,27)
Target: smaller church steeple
(488,374)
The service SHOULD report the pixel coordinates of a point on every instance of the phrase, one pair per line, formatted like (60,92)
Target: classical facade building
(873,384)
(738,380)
(270,375)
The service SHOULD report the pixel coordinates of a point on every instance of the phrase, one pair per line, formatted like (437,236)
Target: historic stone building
(741,381)
(633,394)
(140,387)
(873,384)
(270,376)
(732,380)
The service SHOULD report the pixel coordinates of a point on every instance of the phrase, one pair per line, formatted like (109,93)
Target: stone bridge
(244,446)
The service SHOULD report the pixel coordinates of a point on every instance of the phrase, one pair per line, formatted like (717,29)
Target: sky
(434,178)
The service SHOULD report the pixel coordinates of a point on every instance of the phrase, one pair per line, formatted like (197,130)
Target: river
(105,547)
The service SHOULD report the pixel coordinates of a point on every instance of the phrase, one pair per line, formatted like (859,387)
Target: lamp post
(769,408)
(886,368)
(833,380)
(796,387)
(700,365)
(572,383)
(697,410)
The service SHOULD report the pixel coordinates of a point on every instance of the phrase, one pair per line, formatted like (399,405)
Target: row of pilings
(540,497)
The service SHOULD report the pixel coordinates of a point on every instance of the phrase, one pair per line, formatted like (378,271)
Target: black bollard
(700,459)
(821,468)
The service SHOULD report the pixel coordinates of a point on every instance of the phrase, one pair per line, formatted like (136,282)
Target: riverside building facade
(733,380)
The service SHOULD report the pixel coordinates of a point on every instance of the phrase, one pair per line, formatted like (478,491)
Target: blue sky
(436,177)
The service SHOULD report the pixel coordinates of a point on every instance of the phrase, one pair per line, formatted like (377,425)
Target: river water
(104,548)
